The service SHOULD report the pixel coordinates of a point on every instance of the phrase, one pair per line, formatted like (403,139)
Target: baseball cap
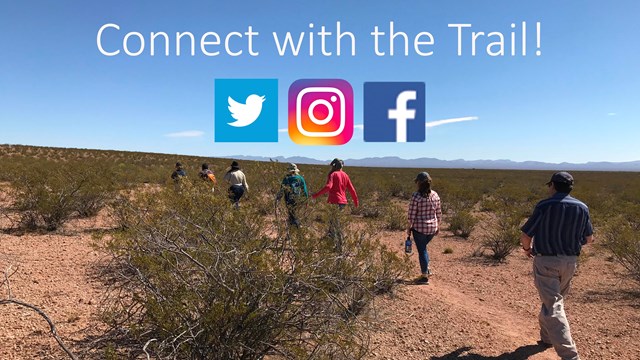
(561,177)
(423,176)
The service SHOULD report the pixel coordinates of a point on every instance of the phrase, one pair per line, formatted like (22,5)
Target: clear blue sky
(577,102)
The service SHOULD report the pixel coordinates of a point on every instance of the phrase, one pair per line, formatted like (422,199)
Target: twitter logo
(246,110)
(245,114)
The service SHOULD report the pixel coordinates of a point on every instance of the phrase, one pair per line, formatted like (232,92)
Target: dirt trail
(472,309)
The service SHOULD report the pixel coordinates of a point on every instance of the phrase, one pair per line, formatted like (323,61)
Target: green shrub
(395,218)
(621,239)
(49,197)
(505,239)
(190,270)
(461,223)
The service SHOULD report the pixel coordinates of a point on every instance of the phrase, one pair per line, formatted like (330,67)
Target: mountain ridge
(426,162)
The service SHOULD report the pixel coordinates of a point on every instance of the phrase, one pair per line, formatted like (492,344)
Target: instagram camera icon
(321,112)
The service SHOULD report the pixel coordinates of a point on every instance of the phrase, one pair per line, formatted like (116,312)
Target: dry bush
(462,223)
(505,239)
(395,218)
(621,239)
(193,278)
(51,196)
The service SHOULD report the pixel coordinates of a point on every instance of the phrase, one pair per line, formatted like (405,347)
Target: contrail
(429,124)
(451,121)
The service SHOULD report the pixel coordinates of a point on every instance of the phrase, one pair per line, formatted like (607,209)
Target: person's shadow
(521,353)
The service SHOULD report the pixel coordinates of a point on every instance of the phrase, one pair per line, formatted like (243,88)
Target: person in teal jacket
(294,189)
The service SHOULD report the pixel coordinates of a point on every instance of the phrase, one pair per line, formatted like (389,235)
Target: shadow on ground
(521,353)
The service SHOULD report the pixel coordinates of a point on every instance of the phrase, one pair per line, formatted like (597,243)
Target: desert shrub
(621,239)
(505,239)
(49,197)
(395,218)
(97,189)
(462,223)
(208,282)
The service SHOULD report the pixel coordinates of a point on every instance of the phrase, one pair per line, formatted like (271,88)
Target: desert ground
(472,309)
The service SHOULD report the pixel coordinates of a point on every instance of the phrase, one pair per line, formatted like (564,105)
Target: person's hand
(437,232)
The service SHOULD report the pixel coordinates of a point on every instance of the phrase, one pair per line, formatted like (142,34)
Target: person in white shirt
(237,183)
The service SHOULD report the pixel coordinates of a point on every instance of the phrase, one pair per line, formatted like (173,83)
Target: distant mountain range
(393,161)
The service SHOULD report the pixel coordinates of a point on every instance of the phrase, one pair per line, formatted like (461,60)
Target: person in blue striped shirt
(553,236)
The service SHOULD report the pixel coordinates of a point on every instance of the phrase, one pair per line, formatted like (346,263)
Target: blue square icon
(246,110)
(394,112)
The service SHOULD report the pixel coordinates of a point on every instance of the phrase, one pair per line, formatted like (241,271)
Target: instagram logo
(321,112)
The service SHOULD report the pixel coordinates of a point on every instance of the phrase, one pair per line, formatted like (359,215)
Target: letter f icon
(401,114)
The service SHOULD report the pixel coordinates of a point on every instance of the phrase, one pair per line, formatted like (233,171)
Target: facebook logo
(394,112)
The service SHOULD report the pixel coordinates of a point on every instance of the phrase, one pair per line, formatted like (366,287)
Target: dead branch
(52,326)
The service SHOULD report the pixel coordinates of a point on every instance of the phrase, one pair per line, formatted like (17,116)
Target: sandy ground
(473,309)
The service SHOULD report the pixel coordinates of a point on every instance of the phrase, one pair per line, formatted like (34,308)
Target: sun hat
(293,168)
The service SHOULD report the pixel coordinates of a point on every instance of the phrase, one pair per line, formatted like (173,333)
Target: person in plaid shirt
(425,216)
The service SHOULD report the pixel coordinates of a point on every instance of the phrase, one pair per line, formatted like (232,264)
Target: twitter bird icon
(246,110)
(245,114)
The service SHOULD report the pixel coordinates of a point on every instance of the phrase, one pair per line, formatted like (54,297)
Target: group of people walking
(553,236)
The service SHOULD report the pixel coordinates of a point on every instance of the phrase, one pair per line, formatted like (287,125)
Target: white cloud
(283,130)
(451,121)
(612,114)
(185,134)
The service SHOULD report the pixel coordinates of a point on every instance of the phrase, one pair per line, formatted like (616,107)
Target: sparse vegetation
(461,223)
(217,284)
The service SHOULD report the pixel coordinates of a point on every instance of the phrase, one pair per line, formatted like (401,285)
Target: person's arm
(411,214)
(588,232)
(352,191)
(227,178)
(527,244)
(528,231)
(438,212)
(326,187)
(244,182)
(304,187)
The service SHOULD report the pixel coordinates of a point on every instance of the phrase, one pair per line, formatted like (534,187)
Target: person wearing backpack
(294,189)
(237,183)
(208,176)
(177,175)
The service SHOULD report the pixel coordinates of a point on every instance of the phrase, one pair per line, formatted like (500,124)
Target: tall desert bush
(622,238)
(210,282)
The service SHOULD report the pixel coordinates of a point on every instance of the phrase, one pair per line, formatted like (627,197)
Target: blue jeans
(421,243)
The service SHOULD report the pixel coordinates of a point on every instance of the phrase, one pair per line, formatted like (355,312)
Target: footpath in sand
(473,309)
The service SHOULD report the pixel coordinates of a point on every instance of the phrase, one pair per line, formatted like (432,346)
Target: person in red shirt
(338,183)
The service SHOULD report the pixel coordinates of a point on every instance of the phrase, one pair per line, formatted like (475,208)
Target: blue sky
(577,102)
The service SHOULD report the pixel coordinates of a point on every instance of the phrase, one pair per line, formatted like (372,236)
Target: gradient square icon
(246,110)
(320,112)
(394,112)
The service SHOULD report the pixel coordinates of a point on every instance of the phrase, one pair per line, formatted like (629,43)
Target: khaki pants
(552,276)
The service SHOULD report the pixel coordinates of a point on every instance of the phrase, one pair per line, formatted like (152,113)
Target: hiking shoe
(422,280)
(544,344)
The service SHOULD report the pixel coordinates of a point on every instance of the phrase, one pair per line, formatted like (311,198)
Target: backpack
(294,190)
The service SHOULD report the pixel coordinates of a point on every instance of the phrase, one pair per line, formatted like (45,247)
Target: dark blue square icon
(394,112)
